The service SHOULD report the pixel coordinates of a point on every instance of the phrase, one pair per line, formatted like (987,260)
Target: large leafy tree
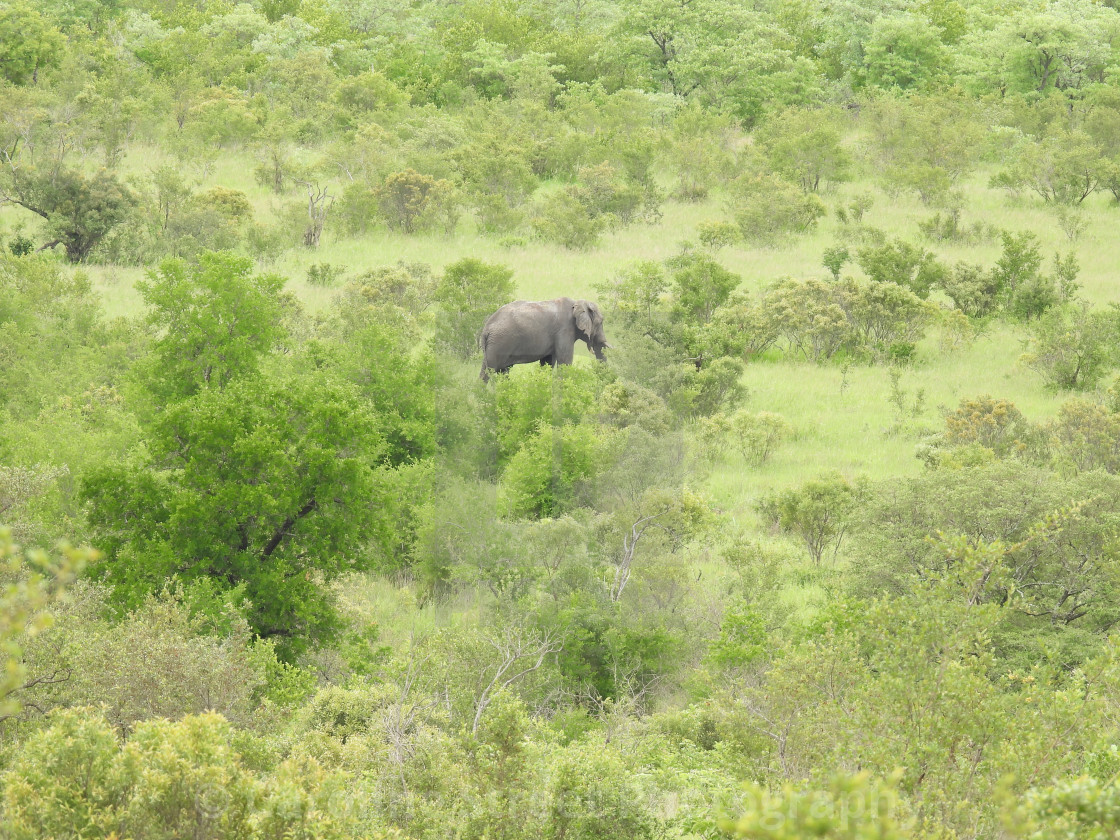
(213,319)
(80,210)
(903,52)
(381,318)
(28,43)
(722,53)
(263,491)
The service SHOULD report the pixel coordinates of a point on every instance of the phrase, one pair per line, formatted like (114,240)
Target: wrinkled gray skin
(525,331)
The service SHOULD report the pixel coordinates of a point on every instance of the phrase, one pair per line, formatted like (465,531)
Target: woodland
(828,546)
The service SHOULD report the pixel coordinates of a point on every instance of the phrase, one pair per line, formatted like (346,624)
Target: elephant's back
(524,312)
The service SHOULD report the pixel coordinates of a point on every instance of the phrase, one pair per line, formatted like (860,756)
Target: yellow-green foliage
(167,780)
(31,583)
(850,808)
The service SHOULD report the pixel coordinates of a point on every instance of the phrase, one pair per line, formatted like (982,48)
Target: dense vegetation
(830,546)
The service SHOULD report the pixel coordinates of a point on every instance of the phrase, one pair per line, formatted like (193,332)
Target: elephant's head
(589,322)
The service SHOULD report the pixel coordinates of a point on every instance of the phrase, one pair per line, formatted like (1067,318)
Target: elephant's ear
(583,317)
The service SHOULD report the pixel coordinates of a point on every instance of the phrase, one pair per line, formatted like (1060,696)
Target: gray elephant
(526,331)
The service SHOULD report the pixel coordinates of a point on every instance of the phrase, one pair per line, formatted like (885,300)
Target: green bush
(756,436)
(900,262)
(850,808)
(467,293)
(819,512)
(593,795)
(992,423)
(717,234)
(411,202)
(542,395)
(1073,348)
(819,319)
(168,779)
(563,218)
(547,474)
(324,274)
(190,665)
(808,316)
(1086,436)
(974,289)
(768,209)
(358,209)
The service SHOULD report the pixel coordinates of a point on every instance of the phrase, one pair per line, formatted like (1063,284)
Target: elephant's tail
(483,338)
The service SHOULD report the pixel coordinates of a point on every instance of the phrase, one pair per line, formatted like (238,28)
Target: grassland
(843,417)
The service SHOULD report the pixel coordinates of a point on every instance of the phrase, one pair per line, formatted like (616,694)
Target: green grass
(543,271)
(844,420)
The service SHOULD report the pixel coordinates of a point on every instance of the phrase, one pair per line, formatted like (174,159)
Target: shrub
(700,150)
(717,386)
(883,316)
(552,396)
(410,202)
(948,228)
(562,217)
(700,286)
(994,426)
(807,315)
(267,242)
(169,779)
(854,211)
(467,293)
(756,436)
(818,512)
(1033,297)
(209,221)
(233,204)
(592,795)
(20,245)
(544,476)
(1073,348)
(189,664)
(324,274)
(902,263)
(398,295)
(1086,435)
(804,145)
(851,807)
(819,319)
(834,259)
(1064,168)
(605,192)
(359,208)
(716,235)
(973,289)
(767,208)
(1020,261)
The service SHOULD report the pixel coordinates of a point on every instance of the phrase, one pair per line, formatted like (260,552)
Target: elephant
(546,331)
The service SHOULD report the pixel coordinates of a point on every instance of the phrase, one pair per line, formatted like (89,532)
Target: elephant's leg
(547,360)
